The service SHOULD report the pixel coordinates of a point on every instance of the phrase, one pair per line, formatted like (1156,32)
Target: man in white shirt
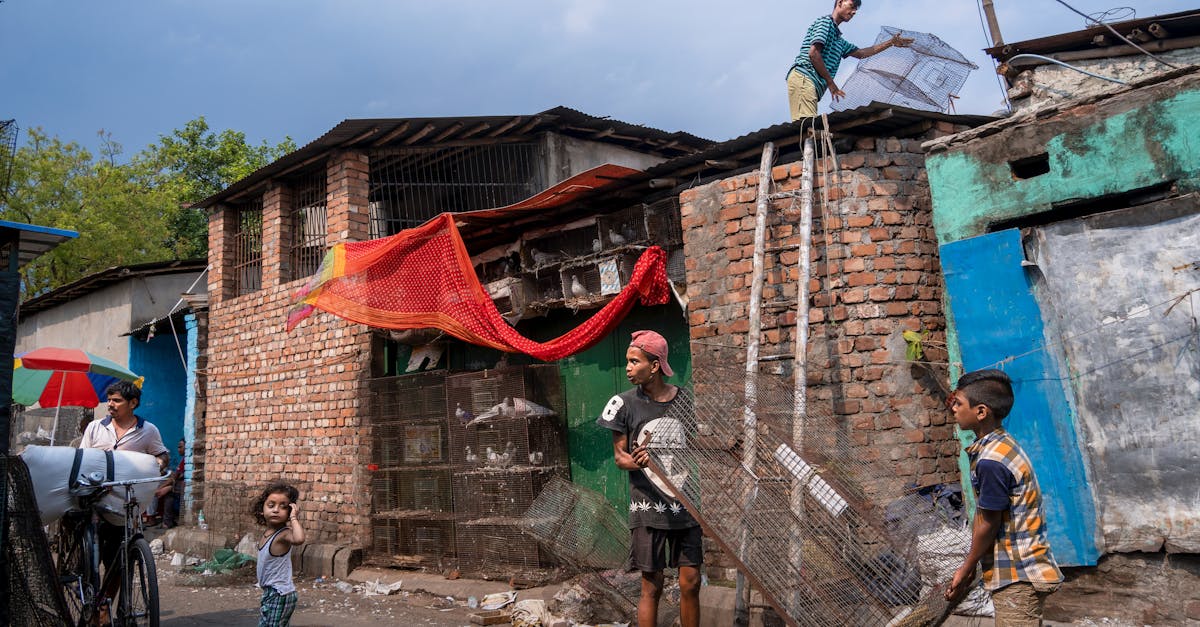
(121,430)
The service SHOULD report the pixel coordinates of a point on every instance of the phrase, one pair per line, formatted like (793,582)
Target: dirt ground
(188,600)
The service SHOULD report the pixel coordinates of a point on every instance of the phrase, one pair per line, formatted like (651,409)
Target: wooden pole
(741,611)
(989,12)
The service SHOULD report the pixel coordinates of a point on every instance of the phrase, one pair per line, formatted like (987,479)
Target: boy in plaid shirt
(1008,537)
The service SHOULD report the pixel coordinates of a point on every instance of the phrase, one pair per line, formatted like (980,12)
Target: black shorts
(652,550)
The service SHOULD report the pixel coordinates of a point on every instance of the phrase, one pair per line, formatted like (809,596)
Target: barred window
(309,224)
(247,247)
(411,185)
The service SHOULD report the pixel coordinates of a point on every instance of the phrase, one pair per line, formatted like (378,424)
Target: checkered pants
(275,610)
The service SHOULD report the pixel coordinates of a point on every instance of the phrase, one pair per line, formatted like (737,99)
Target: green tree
(193,163)
(125,212)
(118,214)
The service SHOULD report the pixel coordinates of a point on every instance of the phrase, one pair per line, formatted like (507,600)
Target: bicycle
(77,549)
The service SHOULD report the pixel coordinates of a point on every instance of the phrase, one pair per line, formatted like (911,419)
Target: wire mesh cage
(494,492)
(8,152)
(43,425)
(504,392)
(823,527)
(564,244)
(412,490)
(34,594)
(663,222)
(499,547)
(412,539)
(408,397)
(926,75)
(578,526)
(624,227)
(581,285)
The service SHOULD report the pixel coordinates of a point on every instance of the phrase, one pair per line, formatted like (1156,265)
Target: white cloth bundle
(50,470)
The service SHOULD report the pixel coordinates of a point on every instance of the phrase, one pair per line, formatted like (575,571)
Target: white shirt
(143,437)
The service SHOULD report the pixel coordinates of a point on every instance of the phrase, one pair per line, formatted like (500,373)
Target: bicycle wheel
(76,559)
(140,605)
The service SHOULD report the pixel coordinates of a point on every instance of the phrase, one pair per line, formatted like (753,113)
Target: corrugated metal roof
(104,278)
(374,133)
(34,241)
(1182,24)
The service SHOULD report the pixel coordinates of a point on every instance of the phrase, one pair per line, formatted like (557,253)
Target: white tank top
(275,571)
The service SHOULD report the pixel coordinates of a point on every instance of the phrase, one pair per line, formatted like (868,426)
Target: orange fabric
(423,278)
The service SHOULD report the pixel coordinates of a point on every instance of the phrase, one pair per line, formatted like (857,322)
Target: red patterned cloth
(423,278)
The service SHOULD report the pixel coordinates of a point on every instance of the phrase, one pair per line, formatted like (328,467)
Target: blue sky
(140,68)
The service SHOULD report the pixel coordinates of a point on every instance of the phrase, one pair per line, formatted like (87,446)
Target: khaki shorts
(1020,604)
(802,96)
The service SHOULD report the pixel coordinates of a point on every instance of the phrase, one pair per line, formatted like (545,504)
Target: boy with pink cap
(651,416)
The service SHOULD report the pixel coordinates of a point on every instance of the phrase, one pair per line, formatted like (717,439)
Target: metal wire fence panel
(34,593)
(926,75)
(830,534)
(309,225)
(578,526)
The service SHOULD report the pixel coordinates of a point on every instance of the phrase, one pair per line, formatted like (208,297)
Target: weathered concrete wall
(1135,139)
(1122,370)
(93,323)
(567,156)
(1045,84)
(1110,281)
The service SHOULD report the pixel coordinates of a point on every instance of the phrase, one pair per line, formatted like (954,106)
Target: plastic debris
(377,588)
(497,600)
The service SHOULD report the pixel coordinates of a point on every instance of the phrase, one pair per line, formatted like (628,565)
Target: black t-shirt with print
(633,413)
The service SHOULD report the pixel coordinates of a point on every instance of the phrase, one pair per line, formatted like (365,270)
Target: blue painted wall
(996,318)
(164,392)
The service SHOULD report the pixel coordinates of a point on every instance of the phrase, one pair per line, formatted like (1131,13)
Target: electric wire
(987,36)
(1119,35)
(1068,66)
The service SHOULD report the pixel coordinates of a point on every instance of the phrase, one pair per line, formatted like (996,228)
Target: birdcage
(512,410)
(412,490)
(499,546)
(512,295)
(663,224)
(581,285)
(623,228)
(926,75)
(500,492)
(563,245)
(412,539)
(408,397)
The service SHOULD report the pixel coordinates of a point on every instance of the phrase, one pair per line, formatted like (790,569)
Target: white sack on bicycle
(50,469)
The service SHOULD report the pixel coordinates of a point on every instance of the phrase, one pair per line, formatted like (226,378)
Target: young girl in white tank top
(276,508)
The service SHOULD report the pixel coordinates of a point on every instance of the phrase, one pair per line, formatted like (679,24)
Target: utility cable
(1119,35)
(1068,66)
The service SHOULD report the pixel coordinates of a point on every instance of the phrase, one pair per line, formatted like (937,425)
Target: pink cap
(655,345)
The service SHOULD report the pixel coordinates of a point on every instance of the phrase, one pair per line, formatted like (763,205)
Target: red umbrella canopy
(65,377)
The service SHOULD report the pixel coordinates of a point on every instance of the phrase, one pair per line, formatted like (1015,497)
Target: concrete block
(318,559)
(298,559)
(194,542)
(346,560)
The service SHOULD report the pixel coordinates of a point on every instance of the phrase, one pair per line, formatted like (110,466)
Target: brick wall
(875,274)
(287,405)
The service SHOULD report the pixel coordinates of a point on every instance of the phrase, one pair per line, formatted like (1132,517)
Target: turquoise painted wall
(972,184)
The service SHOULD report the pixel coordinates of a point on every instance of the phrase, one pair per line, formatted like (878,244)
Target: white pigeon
(492,457)
(540,258)
(507,409)
(597,246)
(615,238)
(577,288)
(471,456)
(535,458)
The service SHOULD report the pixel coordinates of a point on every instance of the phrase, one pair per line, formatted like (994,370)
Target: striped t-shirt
(1003,480)
(833,50)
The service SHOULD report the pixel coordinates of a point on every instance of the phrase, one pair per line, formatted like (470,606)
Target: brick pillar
(277,206)
(347,189)
(220,253)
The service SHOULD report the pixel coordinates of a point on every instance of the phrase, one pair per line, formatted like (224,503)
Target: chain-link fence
(34,594)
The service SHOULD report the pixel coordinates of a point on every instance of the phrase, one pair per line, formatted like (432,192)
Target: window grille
(308,223)
(411,185)
(247,247)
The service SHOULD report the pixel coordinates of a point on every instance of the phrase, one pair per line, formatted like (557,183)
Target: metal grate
(247,247)
(499,547)
(411,185)
(820,524)
(33,594)
(309,225)
(499,492)
(664,225)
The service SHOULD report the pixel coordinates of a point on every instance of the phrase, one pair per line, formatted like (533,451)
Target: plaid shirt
(1021,551)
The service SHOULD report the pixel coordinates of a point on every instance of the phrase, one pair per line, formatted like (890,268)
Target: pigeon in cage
(536,457)
(577,288)
(471,457)
(597,246)
(543,259)
(615,238)
(462,414)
